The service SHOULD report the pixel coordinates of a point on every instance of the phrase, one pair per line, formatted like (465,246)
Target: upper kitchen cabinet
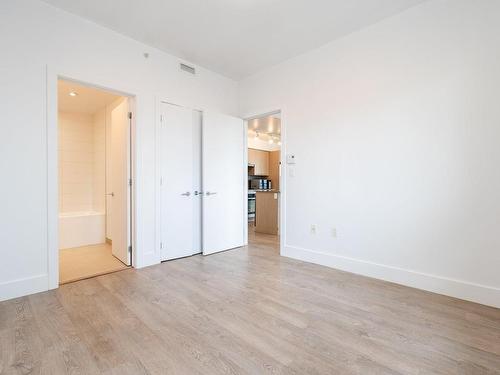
(260,160)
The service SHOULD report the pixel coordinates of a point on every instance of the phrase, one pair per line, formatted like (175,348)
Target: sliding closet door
(224,169)
(180,143)
(120,188)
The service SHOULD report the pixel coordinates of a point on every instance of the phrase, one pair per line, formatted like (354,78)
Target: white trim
(245,181)
(23,287)
(465,290)
(132,159)
(260,115)
(52,181)
(283,181)
(158,114)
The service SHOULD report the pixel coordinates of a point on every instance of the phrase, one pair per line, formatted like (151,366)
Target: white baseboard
(23,287)
(483,294)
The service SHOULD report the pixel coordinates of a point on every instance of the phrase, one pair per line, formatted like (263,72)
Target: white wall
(404,119)
(32,36)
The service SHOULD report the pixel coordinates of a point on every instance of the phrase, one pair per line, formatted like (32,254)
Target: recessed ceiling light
(73,93)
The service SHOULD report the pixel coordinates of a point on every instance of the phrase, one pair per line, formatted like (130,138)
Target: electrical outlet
(334,232)
(314,228)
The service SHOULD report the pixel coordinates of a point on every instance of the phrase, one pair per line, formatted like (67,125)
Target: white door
(120,188)
(197,186)
(224,177)
(180,164)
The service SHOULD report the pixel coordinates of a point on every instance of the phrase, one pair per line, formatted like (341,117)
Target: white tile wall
(99,158)
(81,162)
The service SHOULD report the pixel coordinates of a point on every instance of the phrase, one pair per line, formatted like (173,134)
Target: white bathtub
(81,229)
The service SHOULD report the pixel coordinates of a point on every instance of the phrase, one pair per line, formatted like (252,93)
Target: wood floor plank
(63,350)
(245,311)
(168,312)
(278,324)
(21,341)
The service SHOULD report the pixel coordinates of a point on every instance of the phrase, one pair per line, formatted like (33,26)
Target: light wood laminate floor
(246,311)
(87,261)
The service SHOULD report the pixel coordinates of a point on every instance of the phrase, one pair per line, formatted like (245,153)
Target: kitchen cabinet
(260,159)
(274,169)
(266,212)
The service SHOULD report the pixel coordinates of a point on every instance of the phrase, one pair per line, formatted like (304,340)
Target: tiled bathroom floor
(87,261)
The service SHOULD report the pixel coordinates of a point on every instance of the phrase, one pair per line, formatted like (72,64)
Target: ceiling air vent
(188,68)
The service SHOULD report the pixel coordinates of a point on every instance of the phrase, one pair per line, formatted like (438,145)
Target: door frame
(52,77)
(282,196)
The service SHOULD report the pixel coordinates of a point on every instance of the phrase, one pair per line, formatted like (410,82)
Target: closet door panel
(180,170)
(224,182)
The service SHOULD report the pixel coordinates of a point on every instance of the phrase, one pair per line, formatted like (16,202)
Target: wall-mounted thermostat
(290,159)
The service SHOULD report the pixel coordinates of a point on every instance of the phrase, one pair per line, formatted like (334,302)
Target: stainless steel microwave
(259,184)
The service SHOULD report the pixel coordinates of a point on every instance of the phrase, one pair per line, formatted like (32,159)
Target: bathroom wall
(82,163)
(76,162)
(99,162)
(84,167)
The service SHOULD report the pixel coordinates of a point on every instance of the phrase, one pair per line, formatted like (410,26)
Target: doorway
(264,179)
(94,180)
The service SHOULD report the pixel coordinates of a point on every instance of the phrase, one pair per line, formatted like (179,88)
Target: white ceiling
(235,37)
(88,100)
(265,125)
(263,130)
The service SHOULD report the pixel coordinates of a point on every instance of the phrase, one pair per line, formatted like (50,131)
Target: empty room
(250,187)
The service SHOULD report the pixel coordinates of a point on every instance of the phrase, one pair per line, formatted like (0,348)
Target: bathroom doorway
(94,181)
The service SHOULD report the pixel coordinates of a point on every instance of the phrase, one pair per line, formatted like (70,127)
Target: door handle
(196,192)
(210,193)
(112,194)
(187,194)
